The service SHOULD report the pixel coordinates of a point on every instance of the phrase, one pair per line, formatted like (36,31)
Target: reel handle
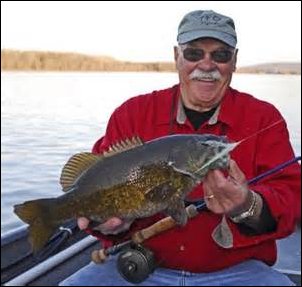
(100,256)
(161,225)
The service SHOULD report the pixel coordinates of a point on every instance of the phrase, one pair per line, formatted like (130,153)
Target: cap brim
(194,35)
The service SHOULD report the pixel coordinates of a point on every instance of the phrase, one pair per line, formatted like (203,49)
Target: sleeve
(265,224)
(280,191)
(122,124)
(113,133)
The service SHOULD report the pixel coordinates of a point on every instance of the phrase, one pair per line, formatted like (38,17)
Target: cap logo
(209,19)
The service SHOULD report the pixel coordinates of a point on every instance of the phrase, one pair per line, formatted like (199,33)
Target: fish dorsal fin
(122,146)
(75,166)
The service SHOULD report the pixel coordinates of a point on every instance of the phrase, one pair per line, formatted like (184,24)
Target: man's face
(205,68)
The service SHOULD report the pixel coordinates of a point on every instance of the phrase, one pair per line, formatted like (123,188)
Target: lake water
(47,117)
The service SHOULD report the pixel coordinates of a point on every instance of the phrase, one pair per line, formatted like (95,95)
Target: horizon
(132,61)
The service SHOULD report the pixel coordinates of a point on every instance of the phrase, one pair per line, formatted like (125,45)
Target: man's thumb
(235,172)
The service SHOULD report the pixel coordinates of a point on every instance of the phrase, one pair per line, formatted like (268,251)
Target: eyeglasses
(219,56)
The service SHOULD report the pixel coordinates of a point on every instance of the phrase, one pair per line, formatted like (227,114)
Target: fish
(131,180)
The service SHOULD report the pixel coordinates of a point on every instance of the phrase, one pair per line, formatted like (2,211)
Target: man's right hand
(113,225)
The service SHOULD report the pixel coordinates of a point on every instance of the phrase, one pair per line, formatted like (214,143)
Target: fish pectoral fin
(160,193)
(75,166)
(123,145)
(178,212)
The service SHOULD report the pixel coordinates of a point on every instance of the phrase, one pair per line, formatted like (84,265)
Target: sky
(146,30)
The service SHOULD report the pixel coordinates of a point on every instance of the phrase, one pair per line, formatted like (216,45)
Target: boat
(70,249)
(67,251)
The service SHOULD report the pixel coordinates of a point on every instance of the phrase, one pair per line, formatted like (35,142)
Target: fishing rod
(192,209)
(136,263)
(201,205)
(275,169)
(195,207)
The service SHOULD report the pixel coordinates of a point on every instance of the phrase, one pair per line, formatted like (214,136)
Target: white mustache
(199,75)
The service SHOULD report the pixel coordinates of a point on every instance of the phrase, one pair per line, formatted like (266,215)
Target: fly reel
(136,263)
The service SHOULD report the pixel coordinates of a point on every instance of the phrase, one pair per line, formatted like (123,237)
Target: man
(233,243)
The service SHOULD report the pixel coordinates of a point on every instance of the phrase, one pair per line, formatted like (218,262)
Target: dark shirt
(198,118)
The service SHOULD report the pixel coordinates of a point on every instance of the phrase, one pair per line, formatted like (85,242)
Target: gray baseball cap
(207,24)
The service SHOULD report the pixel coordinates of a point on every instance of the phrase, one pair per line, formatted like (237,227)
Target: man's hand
(83,223)
(226,195)
(113,225)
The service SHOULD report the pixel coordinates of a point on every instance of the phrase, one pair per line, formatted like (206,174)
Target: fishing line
(228,147)
(262,130)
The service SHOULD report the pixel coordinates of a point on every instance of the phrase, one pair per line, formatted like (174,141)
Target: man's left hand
(226,195)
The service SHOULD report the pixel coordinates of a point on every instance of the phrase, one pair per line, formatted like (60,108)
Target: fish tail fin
(37,213)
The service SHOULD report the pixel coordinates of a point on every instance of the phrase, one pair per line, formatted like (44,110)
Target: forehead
(206,42)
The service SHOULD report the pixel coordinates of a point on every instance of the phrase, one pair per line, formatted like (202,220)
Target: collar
(173,98)
(222,113)
(181,115)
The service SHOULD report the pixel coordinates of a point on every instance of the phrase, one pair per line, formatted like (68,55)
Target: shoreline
(40,61)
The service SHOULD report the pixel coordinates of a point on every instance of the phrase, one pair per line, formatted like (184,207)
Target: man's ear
(176,53)
(235,60)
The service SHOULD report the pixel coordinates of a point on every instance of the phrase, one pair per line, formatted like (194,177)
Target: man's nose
(207,64)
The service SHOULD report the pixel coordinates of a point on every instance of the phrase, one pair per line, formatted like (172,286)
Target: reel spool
(136,263)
